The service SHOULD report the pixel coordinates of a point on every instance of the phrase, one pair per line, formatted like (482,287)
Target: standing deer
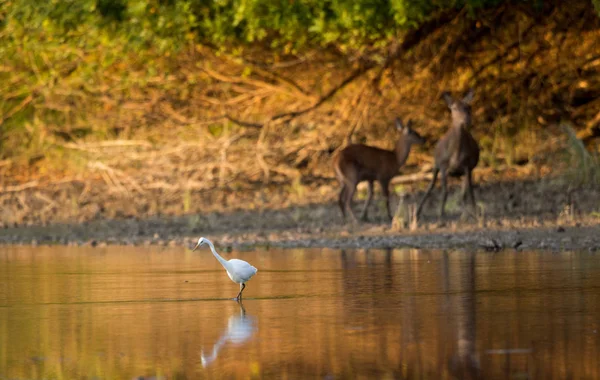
(358,162)
(457,152)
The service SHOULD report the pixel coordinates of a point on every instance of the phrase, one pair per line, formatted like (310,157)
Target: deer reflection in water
(464,364)
(401,279)
(240,329)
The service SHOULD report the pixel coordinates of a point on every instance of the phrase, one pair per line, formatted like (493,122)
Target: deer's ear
(408,127)
(399,125)
(447,98)
(468,98)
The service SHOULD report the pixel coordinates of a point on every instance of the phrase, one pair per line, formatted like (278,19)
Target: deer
(359,162)
(456,154)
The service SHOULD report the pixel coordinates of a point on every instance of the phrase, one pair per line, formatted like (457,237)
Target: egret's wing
(243,268)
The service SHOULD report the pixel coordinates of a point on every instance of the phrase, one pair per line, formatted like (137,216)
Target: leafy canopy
(167,24)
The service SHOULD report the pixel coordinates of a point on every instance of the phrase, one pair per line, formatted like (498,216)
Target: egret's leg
(239,296)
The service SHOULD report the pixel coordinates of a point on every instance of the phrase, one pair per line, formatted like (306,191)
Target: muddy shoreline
(555,238)
(549,215)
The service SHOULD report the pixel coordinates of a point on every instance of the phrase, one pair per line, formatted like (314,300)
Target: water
(128,312)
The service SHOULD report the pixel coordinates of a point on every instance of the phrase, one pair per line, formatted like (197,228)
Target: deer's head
(409,135)
(460,109)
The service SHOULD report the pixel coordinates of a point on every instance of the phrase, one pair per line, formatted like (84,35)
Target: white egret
(238,271)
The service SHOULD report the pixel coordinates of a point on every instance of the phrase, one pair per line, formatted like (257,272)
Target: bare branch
(17,188)
(251,82)
(265,70)
(290,115)
(18,108)
(355,74)
(505,53)
(242,123)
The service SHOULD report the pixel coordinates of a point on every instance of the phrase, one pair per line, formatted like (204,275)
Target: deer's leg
(350,180)
(444,193)
(350,190)
(465,188)
(469,184)
(428,192)
(385,189)
(363,214)
(342,200)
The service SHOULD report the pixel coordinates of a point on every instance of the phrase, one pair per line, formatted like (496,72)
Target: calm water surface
(129,312)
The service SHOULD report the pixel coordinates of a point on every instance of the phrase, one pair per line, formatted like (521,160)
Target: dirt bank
(541,214)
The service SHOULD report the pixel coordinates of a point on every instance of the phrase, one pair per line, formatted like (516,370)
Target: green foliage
(165,24)
(157,23)
(58,55)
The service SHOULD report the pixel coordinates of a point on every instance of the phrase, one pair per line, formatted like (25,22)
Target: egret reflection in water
(240,328)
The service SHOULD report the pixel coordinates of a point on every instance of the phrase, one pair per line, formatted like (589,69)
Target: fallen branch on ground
(17,188)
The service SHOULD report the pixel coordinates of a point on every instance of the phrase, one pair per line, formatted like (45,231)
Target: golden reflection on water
(127,312)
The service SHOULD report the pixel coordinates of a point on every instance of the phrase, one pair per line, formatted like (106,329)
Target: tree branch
(355,74)
(290,115)
(412,38)
(505,53)
(242,123)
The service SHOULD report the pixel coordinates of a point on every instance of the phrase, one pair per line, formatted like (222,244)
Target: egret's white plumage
(239,271)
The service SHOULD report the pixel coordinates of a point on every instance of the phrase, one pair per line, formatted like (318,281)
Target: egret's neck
(221,260)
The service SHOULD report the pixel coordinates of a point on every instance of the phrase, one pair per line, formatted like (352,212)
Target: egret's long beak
(197,245)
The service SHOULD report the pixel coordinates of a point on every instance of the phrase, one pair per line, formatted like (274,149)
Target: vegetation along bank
(211,117)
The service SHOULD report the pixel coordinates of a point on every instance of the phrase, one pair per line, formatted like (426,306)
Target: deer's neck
(402,150)
(459,128)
